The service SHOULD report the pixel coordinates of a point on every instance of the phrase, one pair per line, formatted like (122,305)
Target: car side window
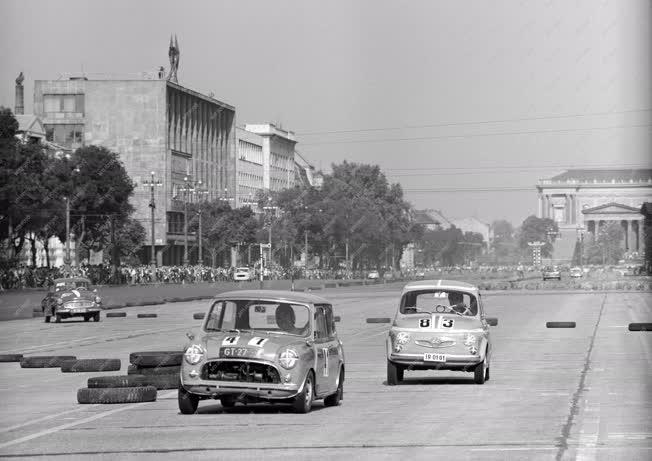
(330,320)
(321,329)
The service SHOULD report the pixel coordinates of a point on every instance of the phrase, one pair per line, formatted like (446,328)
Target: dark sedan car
(551,272)
(71,297)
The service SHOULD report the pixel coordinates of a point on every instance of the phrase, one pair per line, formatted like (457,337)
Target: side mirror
(379,320)
(492,321)
(199,315)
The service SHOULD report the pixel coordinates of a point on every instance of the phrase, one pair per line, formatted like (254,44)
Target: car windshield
(439,301)
(69,285)
(259,316)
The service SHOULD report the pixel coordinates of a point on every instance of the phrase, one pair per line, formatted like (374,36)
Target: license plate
(78,311)
(238,352)
(429,357)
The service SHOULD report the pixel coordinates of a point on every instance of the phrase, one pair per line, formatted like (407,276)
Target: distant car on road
(576,272)
(373,275)
(264,346)
(71,297)
(242,274)
(420,273)
(551,272)
(439,325)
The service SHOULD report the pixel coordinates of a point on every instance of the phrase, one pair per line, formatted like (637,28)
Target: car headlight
(402,337)
(470,340)
(98,300)
(288,358)
(194,354)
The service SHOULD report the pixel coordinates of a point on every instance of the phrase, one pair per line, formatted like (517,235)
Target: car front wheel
(303,401)
(480,373)
(188,402)
(394,373)
(333,400)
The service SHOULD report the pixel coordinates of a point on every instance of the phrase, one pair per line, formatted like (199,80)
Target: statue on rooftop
(173,53)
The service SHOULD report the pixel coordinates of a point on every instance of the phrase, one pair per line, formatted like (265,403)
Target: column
(573,209)
(628,234)
(567,210)
(540,206)
(632,244)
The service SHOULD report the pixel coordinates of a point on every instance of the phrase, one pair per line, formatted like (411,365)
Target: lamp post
(552,233)
(152,184)
(67,262)
(269,208)
(187,188)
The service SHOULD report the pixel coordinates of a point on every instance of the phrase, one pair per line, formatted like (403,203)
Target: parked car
(551,272)
(71,297)
(242,274)
(576,272)
(439,325)
(264,346)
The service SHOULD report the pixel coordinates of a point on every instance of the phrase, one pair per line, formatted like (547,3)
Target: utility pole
(66,263)
(186,190)
(152,184)
(305,268)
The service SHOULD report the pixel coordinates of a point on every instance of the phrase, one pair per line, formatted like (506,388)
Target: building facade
(184,137)
(278,155)
(581,201)
(250,170)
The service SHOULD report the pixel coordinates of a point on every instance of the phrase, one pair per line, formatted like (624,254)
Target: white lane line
(44,418)
(514,449)
(56,429)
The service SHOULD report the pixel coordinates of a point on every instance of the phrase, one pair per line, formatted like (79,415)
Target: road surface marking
(56,429)
(44,418)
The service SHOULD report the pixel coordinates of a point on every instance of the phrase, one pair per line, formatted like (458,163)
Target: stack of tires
(149,372)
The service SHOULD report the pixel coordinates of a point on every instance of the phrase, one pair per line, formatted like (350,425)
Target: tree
(607,247)
(536,229)
(129,238)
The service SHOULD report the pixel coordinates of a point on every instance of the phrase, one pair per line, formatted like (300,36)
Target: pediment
(613,207)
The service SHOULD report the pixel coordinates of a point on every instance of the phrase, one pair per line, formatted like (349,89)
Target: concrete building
(278,155)
(250,169)
(155,125)
(473,224)
(581,201)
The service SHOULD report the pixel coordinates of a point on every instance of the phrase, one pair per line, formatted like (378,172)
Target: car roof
(72,279)
(283,295)
(440,284)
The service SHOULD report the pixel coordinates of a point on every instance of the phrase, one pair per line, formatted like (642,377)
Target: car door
(485,325)
(324,344)
(335,353)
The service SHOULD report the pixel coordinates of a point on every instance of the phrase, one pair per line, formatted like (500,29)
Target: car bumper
(453,362)
(79,311)
(211,388)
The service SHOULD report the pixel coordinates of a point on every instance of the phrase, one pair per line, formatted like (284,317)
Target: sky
(484,98)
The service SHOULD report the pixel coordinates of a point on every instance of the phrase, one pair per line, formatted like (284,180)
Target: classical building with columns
(582,200)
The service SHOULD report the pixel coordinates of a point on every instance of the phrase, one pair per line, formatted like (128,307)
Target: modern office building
(157,126)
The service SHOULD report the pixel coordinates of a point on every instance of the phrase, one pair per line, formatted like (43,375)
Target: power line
(472,189)
(493,170)
(477,135)
(619,166)
(478,122)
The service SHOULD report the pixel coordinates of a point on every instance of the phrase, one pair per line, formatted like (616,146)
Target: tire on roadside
(135,370)
(116,395)
(11,357)
(45,361)
(116,314)
(83,365)
(101,382)
(160,382)
(156,358)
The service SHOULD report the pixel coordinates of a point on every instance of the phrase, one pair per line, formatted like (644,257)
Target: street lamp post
(186,190)
(269,208)
(67,261)
(152,184)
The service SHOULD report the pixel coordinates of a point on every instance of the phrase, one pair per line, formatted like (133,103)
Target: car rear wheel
(188,402)
(394,373)
(47,319)
(303,400)
(480,373)
(57,318)
(86,318)
(228,401)
(96,317)
(333,400)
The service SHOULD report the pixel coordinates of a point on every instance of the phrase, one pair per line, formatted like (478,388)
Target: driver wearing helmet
(456,301)
(285,318)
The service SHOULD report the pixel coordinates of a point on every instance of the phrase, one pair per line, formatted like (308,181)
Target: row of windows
(67,135)
(281,161)
(250,152)
(248,179)
(63,103)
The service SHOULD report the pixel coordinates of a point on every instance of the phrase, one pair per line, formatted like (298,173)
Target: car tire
(45,361)
(11,357)
(87,318)
(116,395)
(394,373)
(135,370)
(167,381)
(486,377)
(228,401)
(334,400)
(480,373)
(57,318)
(97,382)
(84,365)
(303,400)
(156,358)
(188,402)
(96,317)
(46,319)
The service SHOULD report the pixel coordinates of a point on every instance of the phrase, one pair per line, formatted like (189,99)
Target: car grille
(240,371)
(78,304)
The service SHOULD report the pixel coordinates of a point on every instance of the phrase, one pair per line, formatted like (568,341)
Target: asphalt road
(583,393)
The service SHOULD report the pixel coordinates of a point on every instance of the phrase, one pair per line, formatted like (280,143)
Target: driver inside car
(456,301)
(285,318)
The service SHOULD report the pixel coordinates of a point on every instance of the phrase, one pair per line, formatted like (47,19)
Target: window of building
(67,135)
(175,222)
(63,103)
